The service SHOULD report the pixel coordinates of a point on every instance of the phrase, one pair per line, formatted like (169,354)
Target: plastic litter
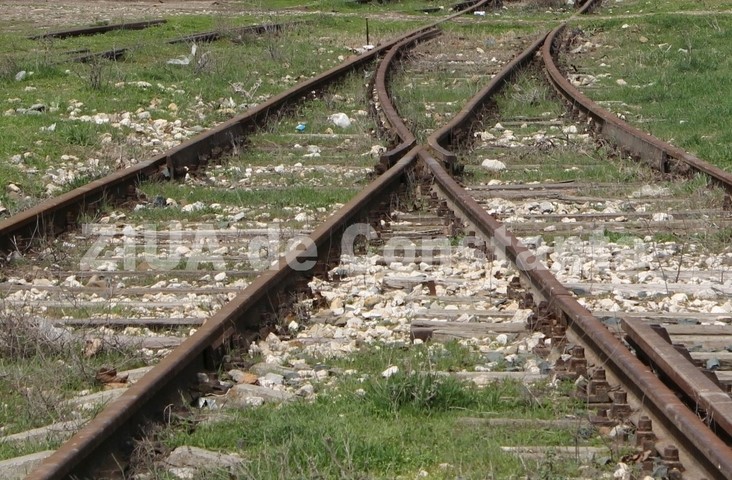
(300,127)
(184,60)
(340,120)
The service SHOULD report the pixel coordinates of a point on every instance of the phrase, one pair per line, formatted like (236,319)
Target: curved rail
(447,135)
(708,449)
(405,135)
(106,438)
(664,157)
(55,215)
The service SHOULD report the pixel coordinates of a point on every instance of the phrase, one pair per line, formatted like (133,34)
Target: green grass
(530,96)
(393,427)
(12,450)
(38,376)
(650,7)
(575,161)
(448,357)
(429,95)
(672,78)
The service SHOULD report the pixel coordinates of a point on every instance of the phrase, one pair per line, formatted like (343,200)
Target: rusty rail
(106,439)
(663,156)
(113,54)
(212,36)
(55,215)
(404,134)
(679,370)
(448,134)
(707,449)
(168,381)
(93,30)
(587,6)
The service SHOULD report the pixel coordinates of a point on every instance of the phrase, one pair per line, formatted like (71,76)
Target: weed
(9,68)
(22,337)
(411,423)
(94,73)
(691,116)
(620,238)
(541,5)
(423,392)
(82,134)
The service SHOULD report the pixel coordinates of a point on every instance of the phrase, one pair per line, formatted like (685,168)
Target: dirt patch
(23,16)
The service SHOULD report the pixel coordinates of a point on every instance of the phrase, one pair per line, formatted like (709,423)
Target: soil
(23,16)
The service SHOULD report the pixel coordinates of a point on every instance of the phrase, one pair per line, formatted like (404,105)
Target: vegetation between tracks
(85,137)
(414,423)
(662,72)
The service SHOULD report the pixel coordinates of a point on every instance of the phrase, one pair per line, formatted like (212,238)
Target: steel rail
(93,30)
(212,36)
(166,382)
(113,54)
(405,135)
(708,450)
(699,388)
(507,243)
(55,215)
(108,435)
(447,135)
(587,6)
(663,156)
(117,53)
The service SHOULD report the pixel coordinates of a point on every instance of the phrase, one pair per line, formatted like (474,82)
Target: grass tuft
(418,392)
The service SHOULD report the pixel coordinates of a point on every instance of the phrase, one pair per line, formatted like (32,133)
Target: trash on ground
(340,120)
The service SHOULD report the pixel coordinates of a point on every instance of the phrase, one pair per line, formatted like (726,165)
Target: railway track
(492,275)
(116,290)
(93,30)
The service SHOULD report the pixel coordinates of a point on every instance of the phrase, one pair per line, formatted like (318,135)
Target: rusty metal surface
(54,215)
(712,452)
(113,54)
(405,135)
(663,156)
(217,35)
(166,383)
(442,138)
(682,372)
(705,447)
(93,30)
(587,6)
